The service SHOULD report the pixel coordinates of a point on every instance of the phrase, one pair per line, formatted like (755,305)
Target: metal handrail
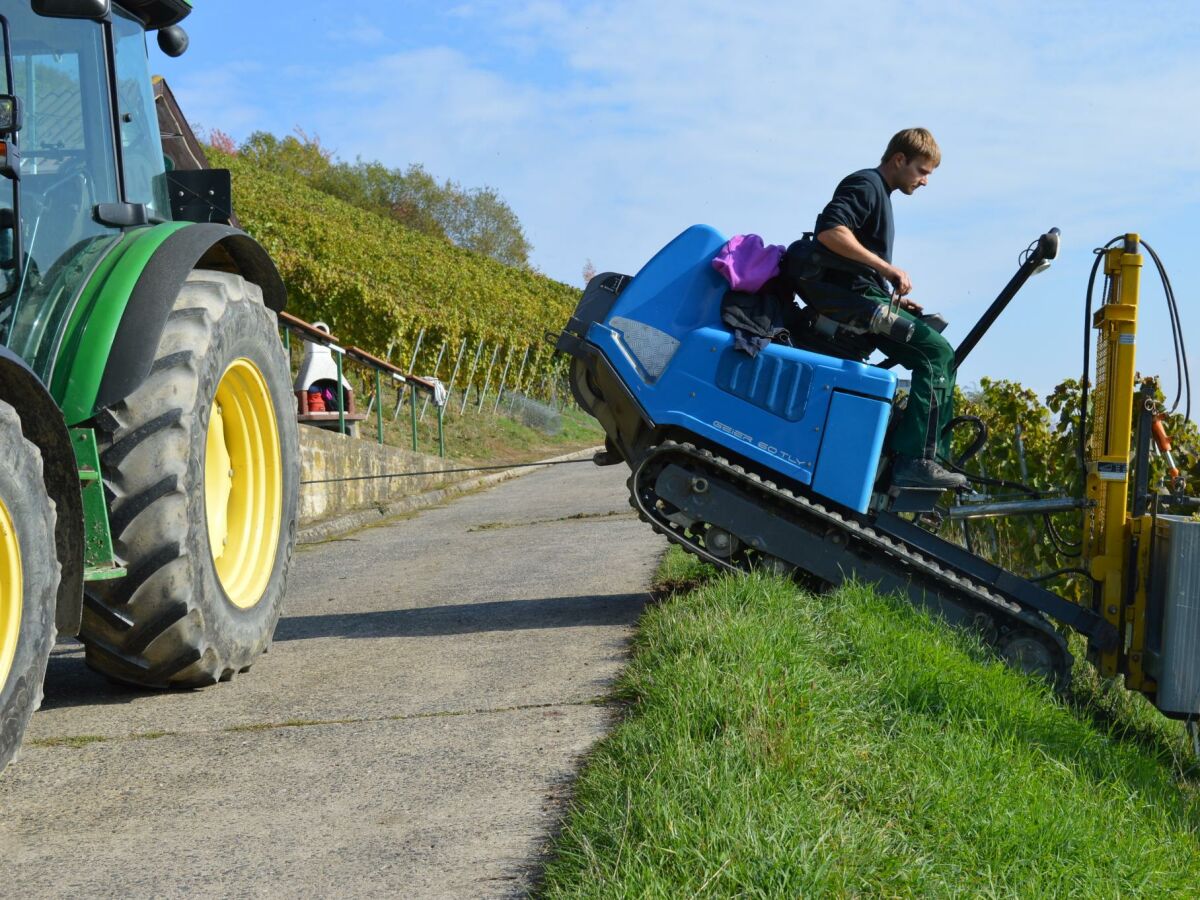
(381,367)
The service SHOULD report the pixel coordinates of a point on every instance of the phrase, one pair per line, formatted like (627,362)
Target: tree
(300,156)
(222,141)
(483,222)
(478,219)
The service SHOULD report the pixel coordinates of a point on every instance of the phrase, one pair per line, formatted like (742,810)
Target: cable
(1081,450)
(1068,571)
(1182,375)
(560,462)
(995,482)
(1063,546)
(981,436)
(1023,256)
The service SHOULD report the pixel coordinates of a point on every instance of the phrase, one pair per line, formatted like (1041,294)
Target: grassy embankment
(783,744)
(490,439)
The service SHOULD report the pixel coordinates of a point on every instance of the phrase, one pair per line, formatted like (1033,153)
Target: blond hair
(913,142)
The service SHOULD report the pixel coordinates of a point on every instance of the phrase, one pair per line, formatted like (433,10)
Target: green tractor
(150,462)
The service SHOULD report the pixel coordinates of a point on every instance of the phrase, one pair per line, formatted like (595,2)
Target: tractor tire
(201,466)
(29,573)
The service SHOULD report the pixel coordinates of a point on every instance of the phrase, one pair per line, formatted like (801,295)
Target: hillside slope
(377,282)
(784,744)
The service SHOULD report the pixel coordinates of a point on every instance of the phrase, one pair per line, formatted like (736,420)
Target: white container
(1175,593)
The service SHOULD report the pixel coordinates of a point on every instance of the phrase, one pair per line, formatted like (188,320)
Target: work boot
(924,473)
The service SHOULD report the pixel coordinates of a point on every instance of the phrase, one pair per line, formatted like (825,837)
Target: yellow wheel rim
(243,483)
(11,593)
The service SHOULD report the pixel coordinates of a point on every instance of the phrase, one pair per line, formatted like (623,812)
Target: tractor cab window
(68,166)
(141,144)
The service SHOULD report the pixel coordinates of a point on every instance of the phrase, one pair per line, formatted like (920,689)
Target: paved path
(412,732)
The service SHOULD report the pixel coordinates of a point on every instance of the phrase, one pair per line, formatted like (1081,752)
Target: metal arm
(1047,249)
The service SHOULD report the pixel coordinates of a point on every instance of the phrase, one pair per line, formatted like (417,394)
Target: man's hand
(912,306)
(841,240)
(899,280)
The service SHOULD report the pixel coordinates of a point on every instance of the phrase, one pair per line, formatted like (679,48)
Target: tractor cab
(146,417)
(83,160)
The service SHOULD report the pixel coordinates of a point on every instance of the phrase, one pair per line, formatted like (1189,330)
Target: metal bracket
(98,559)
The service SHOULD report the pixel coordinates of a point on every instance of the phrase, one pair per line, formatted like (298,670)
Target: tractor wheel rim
(11,593)
(243,483)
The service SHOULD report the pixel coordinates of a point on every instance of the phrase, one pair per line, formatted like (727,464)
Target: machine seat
(812,331)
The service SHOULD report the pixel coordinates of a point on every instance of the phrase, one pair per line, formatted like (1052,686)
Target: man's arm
(841,240)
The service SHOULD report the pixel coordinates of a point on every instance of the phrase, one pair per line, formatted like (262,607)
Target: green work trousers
(930,358)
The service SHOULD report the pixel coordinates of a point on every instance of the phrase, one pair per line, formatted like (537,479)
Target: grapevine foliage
(1046,434)
(377,283)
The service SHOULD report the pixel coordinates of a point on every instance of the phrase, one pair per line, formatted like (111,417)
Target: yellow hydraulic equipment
(1108,527)
(1145,564)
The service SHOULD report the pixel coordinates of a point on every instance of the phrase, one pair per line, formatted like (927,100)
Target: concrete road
(413,731)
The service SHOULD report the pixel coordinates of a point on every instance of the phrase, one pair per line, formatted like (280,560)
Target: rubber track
(1004,609)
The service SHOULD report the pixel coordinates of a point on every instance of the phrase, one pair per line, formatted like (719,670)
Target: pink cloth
(746,263)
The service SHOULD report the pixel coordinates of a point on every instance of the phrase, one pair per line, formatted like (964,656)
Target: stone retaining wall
(327,454)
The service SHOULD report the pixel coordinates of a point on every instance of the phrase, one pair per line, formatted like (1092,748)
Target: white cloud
(750,116)
(360,31)
(610,126)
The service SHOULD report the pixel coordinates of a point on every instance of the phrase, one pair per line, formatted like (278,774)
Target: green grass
(781,744)
(72,741)
(484,437)
(491,439)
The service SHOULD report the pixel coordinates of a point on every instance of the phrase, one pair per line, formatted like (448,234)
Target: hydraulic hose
(1061,544)
(1182,373)
(1183,382)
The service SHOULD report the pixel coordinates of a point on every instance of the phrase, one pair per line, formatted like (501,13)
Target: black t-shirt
(863,203)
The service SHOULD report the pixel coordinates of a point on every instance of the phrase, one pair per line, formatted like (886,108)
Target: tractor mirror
(1047,249)
(73,9)
(10,115)
(172,40)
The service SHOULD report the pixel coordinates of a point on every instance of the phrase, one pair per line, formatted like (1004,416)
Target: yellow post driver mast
(1108,527)
(1144,561)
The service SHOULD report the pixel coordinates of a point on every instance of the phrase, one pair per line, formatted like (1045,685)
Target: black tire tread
(155,627)
(34,517)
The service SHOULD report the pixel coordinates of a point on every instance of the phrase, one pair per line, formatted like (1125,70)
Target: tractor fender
(203,246)
(43,426)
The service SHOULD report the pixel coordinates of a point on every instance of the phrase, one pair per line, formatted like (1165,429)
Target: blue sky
(611,126)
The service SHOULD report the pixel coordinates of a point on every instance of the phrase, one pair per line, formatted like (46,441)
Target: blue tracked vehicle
(776,461)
